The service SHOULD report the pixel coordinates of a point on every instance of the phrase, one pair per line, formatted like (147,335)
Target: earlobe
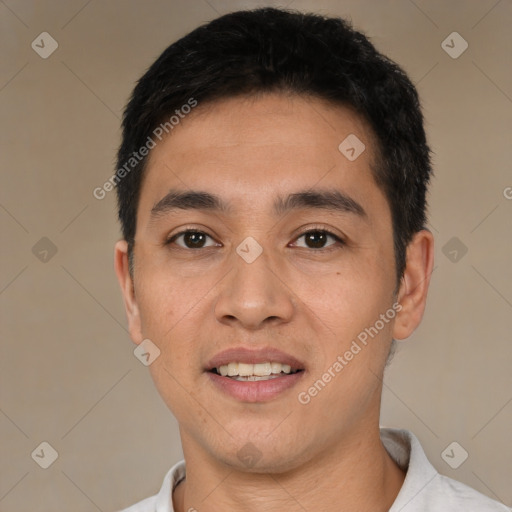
(414,284)
(122,268)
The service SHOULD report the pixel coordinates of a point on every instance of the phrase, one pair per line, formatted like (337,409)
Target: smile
(254,372)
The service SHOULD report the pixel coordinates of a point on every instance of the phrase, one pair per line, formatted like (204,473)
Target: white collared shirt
(423,490)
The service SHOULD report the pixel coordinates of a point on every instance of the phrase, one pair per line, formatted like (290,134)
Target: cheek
(348,298)
(169,315)
(174,311)
(168,301)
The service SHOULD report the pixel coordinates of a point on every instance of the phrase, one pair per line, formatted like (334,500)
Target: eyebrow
(319,199)
(176,200)
(332,200)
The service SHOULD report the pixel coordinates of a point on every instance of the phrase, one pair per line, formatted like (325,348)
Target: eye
(317,239)
(192,239)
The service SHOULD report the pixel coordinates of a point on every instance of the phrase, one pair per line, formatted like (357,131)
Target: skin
(308,302)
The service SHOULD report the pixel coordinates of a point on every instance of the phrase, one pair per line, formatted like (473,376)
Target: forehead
(241,146)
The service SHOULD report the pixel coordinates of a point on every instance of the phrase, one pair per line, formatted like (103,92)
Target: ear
(122,268)
(414,284)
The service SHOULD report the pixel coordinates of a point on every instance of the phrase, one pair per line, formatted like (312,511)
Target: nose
(254,296)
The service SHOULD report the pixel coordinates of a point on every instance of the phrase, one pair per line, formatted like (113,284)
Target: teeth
(262,369)
(275,367)
(244,370)
(257,370)
(254,378)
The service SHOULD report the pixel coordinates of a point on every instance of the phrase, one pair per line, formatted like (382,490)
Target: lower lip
(255,391)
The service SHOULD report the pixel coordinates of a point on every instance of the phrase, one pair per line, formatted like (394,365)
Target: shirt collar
(405,449)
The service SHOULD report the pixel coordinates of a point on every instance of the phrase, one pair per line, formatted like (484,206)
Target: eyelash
(338,239)
(323,230)
(173,238)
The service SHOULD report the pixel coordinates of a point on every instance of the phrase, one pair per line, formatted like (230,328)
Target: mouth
(256,375)
(248,372)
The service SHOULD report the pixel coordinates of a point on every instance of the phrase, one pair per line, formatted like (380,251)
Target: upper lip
(253,356)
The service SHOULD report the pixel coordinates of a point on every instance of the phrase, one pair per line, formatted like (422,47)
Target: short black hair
(274,50)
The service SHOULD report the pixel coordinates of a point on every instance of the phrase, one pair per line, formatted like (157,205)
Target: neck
(357,475)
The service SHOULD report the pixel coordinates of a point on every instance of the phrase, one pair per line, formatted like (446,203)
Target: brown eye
(193,240)
(317,239)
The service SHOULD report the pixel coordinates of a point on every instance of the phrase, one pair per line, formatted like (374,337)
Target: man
(271,185)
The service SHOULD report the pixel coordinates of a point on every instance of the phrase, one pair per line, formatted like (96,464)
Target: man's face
(291,266)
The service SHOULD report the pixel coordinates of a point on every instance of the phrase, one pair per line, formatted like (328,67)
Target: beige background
(67,369)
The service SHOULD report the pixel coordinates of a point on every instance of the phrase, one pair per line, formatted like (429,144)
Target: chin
(264,454)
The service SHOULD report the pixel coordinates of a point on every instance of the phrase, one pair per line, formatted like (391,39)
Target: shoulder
(161,502)
(449,495)
(147,505)
(426,490)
